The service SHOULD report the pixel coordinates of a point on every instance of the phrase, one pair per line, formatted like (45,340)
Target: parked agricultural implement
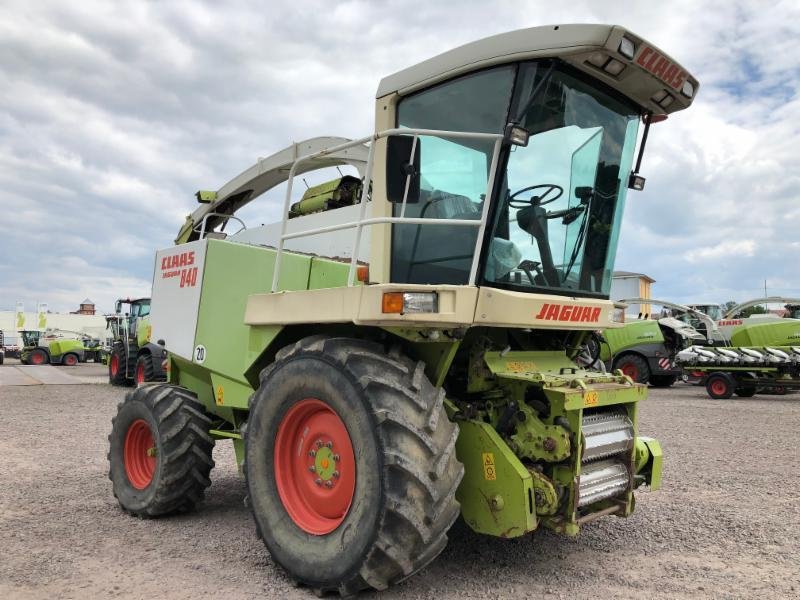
(399,348)
(56,347)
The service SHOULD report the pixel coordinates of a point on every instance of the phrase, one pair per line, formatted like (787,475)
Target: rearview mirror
(402,169)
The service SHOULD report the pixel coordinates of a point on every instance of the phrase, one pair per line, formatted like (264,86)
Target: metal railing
(363,221)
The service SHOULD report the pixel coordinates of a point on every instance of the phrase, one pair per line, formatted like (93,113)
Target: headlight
(410,302)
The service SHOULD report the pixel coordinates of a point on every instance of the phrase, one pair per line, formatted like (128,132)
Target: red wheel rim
(114,365)
(718,387)
(37,358)
(139,454)
(140,373)
(631,371)
(315,466)
(70,360)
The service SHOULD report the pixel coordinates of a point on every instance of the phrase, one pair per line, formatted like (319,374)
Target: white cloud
(724,250)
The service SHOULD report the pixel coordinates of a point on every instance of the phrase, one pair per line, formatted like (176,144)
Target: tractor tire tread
(184,446)
(421,471)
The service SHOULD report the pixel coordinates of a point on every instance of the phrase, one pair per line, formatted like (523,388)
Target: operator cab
(555,218)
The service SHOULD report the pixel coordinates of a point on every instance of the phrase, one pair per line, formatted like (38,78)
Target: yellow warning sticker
(590,398)
(489,470)
(220,395)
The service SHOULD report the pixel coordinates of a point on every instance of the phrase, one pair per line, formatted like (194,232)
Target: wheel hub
(139,453)
(718,387)
(314,466)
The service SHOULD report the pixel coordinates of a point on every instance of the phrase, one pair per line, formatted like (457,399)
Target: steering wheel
(550,189)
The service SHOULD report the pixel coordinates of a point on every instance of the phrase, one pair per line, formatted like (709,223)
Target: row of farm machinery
(727,352)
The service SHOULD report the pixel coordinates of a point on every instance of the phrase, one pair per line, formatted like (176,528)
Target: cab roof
(642,79)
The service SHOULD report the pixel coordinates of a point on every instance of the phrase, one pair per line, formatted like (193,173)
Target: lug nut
(336,474)
(318,481)
(319,443)
(329,444)
(312,453)
(312,468)
(336,457)
(329,484)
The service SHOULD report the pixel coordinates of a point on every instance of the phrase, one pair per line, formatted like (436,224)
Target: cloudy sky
(113,114)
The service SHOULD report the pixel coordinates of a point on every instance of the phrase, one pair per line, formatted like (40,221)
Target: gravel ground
(725,525)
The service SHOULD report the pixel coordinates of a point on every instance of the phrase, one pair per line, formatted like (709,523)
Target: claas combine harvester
(398,349)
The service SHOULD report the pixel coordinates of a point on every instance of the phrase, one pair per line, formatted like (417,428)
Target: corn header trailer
(398,348)
(133,358)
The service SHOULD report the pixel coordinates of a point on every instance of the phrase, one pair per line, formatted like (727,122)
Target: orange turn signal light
(392,302)
(362,273)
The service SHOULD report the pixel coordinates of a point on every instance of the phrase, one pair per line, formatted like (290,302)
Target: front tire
(38,357)
(386,514)
(160,451)
(662,381)
(634,366)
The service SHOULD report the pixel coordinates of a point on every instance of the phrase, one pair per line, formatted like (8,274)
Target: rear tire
(662,381)
(116,365)
(634,366)
(160,451)
(405,470)
(746,392)
(719,386)
(70,360)
(146,370)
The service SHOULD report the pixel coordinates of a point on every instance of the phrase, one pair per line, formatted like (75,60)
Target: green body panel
(61,347)
(232,272)
(648,461)
(496,494)
(143,332)
(629,336)
(773,333)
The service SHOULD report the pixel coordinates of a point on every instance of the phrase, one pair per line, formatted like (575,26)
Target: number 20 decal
(200,354)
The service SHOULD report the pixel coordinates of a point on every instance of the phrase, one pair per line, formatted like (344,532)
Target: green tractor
(133,358)
(55,347)
(400,350)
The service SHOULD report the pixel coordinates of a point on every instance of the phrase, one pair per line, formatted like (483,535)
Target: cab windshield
(559,200)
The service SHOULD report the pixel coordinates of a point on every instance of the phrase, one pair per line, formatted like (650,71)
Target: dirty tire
(634,366)
(746,392)
(179,427)
(148,367)
(662,381)
(403,500)
(116,365)
(70,360)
